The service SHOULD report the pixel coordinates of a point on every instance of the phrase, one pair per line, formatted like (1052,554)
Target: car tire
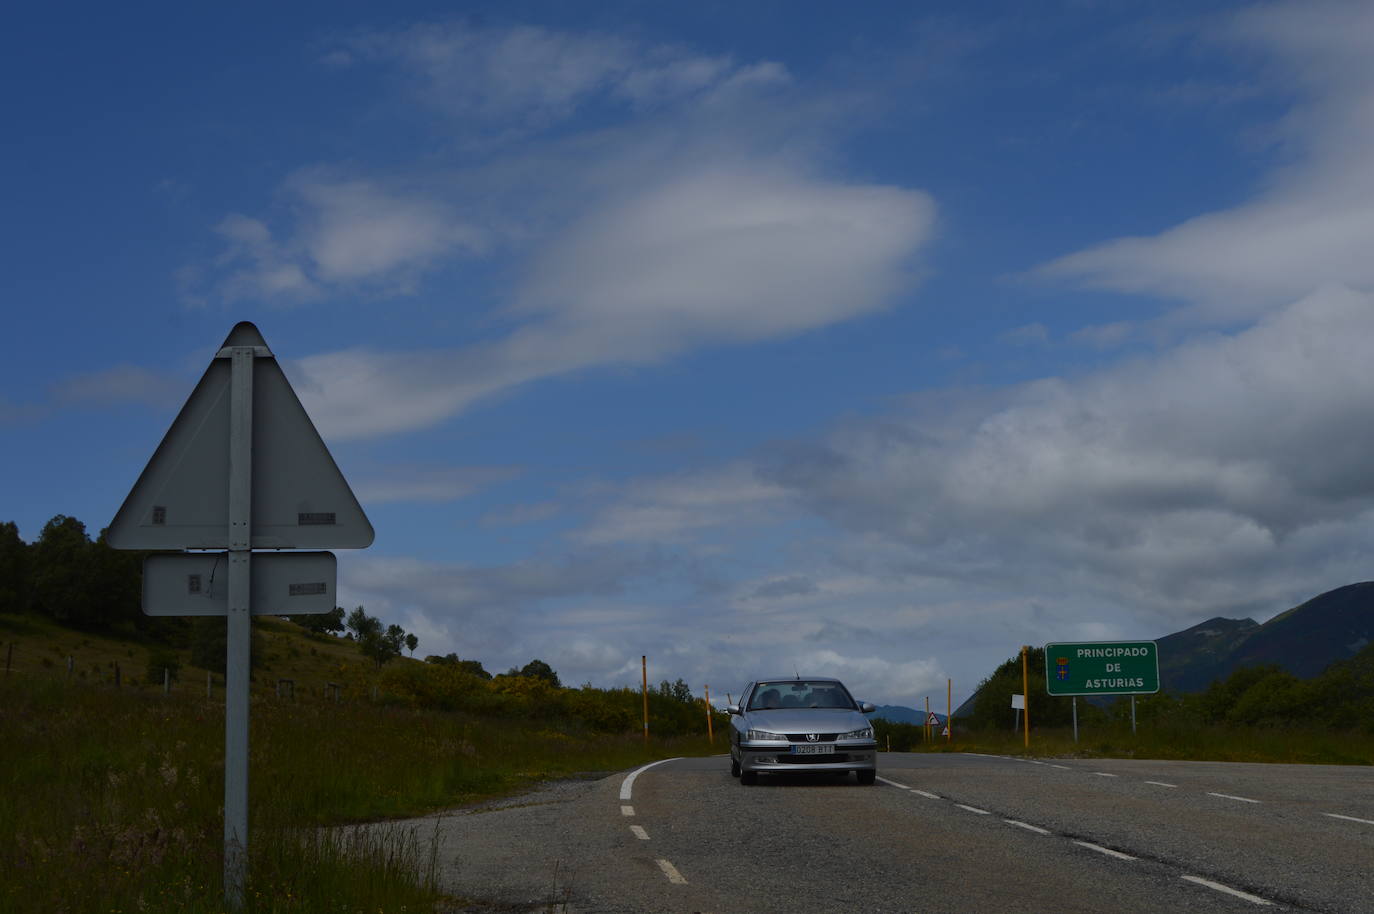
(734,768)
(866,777)
(749,778)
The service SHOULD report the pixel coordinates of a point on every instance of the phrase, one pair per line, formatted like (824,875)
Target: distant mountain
(1189,660)
(1330,628)
(901,715)
(1303,640)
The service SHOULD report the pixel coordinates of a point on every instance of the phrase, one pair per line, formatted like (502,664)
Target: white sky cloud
(1311,224)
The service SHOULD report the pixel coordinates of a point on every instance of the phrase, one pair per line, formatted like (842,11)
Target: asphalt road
(938,833)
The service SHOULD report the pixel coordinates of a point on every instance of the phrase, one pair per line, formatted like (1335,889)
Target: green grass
(110,800)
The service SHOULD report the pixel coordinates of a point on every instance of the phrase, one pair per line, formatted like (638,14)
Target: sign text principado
(1102,668)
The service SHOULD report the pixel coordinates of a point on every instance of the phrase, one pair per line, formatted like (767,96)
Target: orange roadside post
(710,725)
(1025,692)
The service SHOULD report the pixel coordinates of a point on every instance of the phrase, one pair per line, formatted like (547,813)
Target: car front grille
(804,737)
(813,759)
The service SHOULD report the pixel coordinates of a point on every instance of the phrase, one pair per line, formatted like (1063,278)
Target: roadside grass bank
(110,799)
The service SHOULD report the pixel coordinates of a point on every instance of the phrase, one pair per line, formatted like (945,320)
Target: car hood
(806,720)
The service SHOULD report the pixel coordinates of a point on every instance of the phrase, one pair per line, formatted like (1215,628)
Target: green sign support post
(1101,668)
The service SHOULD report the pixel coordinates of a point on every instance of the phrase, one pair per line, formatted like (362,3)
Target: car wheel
(749,778)
(734,768)
(866,777)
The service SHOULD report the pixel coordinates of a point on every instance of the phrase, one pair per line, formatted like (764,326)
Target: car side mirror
(733,709)
(867,707)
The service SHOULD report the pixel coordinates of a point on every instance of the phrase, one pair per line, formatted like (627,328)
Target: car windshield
(799,693)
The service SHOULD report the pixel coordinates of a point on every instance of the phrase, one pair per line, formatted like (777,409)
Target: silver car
(801,725)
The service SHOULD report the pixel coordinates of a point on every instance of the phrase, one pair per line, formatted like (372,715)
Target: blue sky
(874,344)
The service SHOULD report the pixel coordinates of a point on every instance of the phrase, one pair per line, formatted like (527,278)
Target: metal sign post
(239,638)
(241,467)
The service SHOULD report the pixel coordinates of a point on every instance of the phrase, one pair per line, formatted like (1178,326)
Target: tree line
(1341,697)
(86,584)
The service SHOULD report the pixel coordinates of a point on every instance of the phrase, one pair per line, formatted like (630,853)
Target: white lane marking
(1162,784)
(1034,762)
(640,833)
(1027,826)
(933,796)
(1104,850)
(1105,774)
(1336,815)
(1061,767)
(628,784)
(1228,890)
(894,784)
(1227,796)
(627,810)
(671,872)
(981,812)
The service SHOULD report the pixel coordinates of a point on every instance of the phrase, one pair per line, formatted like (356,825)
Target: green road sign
(1102,668)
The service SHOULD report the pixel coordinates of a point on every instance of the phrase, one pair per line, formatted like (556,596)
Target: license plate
(813,750)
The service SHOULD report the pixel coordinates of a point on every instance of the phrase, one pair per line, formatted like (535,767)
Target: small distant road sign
(1102,668)
(933,720)
(1018,701)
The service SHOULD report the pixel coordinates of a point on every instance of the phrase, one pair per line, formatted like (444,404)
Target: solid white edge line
(1104,850)
(1228,890)
(1061,767)
(639,832)
(1227,796)
(1336,815)
(627,810)
(1027,826)
(981,812)
(894,783)
(627,785)
(671,872)
(933,796)
(1162,784)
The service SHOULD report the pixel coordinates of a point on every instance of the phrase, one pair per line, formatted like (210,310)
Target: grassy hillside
(111,796)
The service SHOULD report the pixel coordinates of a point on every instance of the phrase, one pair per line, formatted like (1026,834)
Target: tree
(472,667)
(14,570)
(538,669)
(63,573)
(331,622)
(412,642)
(362,625)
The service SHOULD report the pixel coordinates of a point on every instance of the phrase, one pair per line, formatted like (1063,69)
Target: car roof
(796,678)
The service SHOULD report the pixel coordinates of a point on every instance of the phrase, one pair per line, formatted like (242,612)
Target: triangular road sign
(300,499)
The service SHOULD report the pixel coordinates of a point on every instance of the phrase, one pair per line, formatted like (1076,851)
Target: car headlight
(862,733)
(765,734)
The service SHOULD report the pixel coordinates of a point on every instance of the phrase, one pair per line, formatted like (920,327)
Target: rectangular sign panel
(196,583)
(1102,668)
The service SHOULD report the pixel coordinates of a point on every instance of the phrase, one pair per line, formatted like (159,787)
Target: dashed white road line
(1061,767)
(627,810)
(1217,886)
(1104,850)
(925,793)
(639,832)
(1105,774)
(1027,826)
(974,809)
(671,872)
(1227,796)
(627,785)
(1336,815)
(894,784)
(1162,784)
